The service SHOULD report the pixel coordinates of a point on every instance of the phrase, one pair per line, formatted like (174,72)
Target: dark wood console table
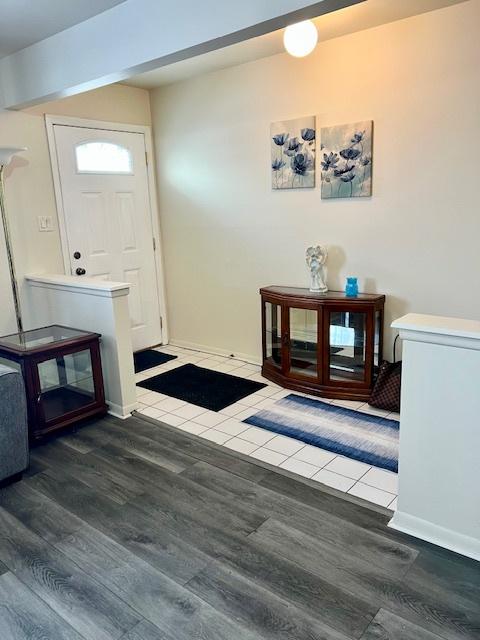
(325,344)
(62,371)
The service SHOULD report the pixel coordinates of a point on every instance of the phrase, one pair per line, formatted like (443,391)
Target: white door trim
(50,121)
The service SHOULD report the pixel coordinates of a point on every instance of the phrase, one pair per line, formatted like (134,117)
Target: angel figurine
(316,258)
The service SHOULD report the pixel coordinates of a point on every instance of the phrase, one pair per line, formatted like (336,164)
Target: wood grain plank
(175,610)
(178,490)
(142,533)
(388,626)
(182,515)
(267,615)
(86,438)
(449,577)
(334,532)
(163,521)
(38,513)
(174,440)
(381,551)
(366,516)
(314,496)
(91,610)
(130,437)
(101,476)
(305,550)
(343,611)
(172,496)
(197,537)
(427,608)
(24,616)
(136,469)
(146,631)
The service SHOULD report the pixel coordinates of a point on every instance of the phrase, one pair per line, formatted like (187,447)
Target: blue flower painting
(346,160)
(293,153)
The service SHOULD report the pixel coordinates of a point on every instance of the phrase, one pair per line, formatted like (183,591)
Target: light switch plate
(45,223)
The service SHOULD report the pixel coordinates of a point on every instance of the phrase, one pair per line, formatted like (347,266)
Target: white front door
(108,223)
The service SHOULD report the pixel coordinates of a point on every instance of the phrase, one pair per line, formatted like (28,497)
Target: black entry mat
(209,389)
(150,358)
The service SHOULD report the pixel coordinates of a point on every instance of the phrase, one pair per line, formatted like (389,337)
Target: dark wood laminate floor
(134,531)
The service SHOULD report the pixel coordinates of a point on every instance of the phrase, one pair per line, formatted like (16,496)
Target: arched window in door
(103,157)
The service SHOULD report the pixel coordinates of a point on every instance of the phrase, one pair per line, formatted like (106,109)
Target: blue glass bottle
(351,288)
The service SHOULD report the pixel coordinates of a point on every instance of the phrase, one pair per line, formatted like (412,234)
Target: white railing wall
(91,305)
(439,464)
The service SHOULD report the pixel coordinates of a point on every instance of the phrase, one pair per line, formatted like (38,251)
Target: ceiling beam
(138,36)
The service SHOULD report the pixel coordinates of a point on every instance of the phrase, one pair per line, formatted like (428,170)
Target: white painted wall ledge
(439,330)
(79,284)
(91,305)
(439,470)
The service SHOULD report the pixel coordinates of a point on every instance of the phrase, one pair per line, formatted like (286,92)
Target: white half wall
(439,471)
(98,306)
(226,233)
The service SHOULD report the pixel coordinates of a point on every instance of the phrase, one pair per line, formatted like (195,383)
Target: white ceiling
(24,22)
(366,15)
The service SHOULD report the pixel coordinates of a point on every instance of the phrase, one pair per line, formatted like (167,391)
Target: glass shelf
(66,384)
(303,342)
(347,333)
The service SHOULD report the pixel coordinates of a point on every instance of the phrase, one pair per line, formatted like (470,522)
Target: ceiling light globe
(300,39)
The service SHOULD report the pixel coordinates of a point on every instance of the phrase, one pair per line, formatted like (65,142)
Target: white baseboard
(121,412)
(436,534)
(214,350)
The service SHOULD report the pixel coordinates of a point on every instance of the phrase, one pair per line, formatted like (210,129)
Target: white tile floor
(226,428)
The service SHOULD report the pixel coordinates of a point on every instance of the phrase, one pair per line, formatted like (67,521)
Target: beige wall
(29,183)
(226,233)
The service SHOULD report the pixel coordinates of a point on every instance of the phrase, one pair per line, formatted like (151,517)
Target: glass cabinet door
(66,384)
(273,334)
(303,340)
(347,346)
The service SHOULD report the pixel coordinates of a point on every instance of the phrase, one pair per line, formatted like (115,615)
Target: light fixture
(300,39)
(6,154)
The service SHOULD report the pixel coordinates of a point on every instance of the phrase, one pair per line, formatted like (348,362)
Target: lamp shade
(7,153)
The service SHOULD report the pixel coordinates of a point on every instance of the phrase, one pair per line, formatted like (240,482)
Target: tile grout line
(288,457)
(291,456)
(275,390)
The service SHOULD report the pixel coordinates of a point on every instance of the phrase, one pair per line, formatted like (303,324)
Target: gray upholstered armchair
(13,425)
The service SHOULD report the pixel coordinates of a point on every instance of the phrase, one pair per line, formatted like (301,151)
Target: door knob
(80,271)
(77,255)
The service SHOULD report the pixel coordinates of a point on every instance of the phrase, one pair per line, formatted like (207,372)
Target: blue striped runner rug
(350,433)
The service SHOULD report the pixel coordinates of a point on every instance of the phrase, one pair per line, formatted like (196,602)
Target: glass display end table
(62,371)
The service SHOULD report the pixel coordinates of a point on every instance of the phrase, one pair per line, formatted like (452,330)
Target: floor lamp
(6,154)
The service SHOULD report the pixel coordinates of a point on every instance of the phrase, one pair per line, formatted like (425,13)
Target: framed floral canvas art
(293,153)
(346,160)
